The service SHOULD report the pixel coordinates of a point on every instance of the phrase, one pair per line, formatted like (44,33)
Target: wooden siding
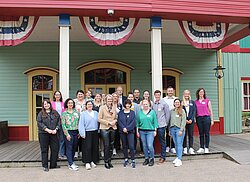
(232,92)
(245,43)
(220,10)
(196,64)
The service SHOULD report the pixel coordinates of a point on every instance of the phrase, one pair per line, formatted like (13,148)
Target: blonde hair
(108,95)
(184,103)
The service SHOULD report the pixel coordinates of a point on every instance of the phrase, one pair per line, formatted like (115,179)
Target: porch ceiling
(47,30)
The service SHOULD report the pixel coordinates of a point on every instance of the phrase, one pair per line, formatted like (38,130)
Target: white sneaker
(185,150)
(79,154)
(200,151)
(172,150)
(178,163)
(167,149)
(175,160)
(114,152)
(206,150)
(88,167)
(73,167)
(76,155)
(191,151)
(93,165)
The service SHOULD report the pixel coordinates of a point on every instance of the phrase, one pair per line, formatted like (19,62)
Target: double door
(105,88)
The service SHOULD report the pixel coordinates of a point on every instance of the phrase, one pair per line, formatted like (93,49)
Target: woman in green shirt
(70,120)
(147,125)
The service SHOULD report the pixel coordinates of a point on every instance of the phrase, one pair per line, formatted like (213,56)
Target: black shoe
(57,167)
(46,169)
(151,162)
(110,165)
(106,166)
(145,162)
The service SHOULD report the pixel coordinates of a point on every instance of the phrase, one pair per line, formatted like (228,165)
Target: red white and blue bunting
(109,32)
(14,31)
(204,36)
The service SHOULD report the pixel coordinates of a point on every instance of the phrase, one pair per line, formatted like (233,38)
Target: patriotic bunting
(109,32)
(204,35)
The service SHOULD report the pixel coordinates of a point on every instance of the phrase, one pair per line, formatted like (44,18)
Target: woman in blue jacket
(190,109)
(126,124)
(88,129)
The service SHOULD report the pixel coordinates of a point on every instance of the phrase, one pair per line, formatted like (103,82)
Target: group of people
(93,123)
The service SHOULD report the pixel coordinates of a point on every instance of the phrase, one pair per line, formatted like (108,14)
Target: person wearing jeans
(204,119)
(58,105)
(190,109)
(147,125)
(177,129)
(70,120)
(161,109)
(126,125)
(107,117)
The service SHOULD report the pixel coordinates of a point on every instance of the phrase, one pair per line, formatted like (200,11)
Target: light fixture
(219,73)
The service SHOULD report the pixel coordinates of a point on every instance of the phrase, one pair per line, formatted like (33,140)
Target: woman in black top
(126,126)
(48,121)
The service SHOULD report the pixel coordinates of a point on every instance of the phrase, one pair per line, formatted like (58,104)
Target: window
(246,96)
(42,82)
(105,76)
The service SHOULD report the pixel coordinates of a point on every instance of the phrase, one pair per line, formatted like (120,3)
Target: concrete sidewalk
(205,170)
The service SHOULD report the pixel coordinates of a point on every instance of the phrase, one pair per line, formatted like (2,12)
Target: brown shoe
(161,161)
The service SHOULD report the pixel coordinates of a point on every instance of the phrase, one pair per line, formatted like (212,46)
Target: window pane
(47,82)
(246,103)
(37,82)
(110,76)
(112,90)
(168,81)
(100,76)
(248,89)
(245,88)
(39,99)
(89,77)
(121,77)
(46,97)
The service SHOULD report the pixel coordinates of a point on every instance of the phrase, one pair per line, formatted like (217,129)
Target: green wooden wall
(237,65)
(245,43)
(196,64)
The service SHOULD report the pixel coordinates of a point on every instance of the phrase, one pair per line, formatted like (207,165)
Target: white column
(156,54)
(64,24)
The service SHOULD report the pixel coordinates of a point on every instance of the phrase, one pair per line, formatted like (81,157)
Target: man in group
(162,111)
(121,98)
(169,99)
(137,98)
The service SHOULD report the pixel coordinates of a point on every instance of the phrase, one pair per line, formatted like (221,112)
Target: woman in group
(80,105)
(70,120)
(190,109)
(118,106)
(89,96)
(126,124)
(147,125)
(88,129)
(48,121)
(107,118)
(204,119)
(146,96)
(97,102)
(177,129)
(58,105)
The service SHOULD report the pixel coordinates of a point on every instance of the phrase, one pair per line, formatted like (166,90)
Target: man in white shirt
(169,99)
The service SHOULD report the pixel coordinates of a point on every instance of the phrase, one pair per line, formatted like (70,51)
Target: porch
(233,147)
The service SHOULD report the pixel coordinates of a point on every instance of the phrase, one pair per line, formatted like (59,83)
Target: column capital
(155,22)
(64,20)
